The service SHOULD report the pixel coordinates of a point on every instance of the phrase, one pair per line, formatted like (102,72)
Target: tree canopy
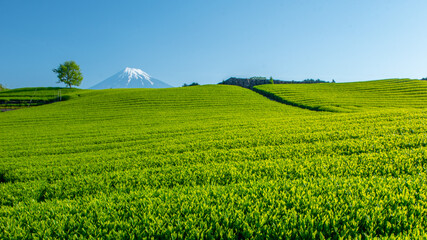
(69,73)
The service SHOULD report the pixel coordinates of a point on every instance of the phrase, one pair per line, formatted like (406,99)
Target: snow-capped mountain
(131,78)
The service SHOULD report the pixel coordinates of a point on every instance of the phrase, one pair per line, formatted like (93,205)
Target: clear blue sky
(182,41)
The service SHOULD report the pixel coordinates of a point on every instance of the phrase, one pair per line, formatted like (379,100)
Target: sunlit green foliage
(210,162)
(351,97)
(69,73)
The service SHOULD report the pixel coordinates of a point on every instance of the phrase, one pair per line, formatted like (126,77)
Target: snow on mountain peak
(135,73)
(131,78)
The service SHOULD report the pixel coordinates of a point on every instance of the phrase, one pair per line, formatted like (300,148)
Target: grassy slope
(350,97)
(209,161)
(23,97)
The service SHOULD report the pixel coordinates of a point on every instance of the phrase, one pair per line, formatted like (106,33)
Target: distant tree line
(311,80)
(253,81)
(424,78)
(258,78)
(191,84)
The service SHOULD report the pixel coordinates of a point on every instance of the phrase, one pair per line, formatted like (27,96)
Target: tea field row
(351,97)
(209,162)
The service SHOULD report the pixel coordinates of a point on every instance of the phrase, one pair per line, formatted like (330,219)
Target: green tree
(69,73)
(271,80)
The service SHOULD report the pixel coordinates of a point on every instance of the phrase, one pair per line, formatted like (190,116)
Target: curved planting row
(209,162)
(350,97)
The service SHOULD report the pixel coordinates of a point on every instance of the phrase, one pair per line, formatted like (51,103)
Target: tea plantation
(27,97)
(218,162)
(351,97)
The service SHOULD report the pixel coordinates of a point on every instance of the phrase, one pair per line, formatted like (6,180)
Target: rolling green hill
(350,97)
(209,162)
(29,97)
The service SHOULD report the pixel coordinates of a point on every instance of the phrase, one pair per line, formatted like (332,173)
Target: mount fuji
(131,78)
